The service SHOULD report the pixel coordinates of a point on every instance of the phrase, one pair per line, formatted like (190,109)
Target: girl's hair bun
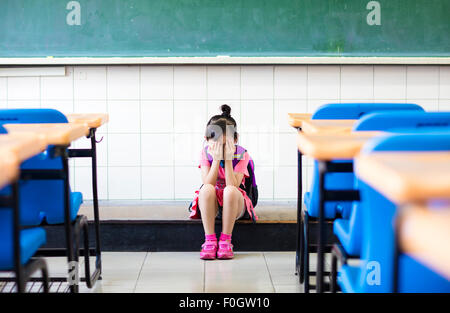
(226,110)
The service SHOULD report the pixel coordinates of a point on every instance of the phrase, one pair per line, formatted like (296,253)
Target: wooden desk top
(52,133)
(22,145)
(91,120)
(328,126)
(296,119)
(333,146)
(424,234)
(407,176)
(9,167)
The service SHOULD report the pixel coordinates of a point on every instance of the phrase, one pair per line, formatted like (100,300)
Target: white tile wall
(3,88)
(151,146)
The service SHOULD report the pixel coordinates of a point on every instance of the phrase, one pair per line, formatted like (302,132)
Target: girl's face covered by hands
(229,148)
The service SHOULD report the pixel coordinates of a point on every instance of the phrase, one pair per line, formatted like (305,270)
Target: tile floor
(167,272)
(185,272)
(147,272)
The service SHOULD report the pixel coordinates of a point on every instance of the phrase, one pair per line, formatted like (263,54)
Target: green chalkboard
(134,28)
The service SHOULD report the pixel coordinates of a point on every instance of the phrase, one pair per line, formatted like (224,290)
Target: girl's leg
(233,204)
(207,202)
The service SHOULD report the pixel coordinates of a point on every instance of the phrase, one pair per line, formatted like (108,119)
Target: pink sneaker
(209,250)
(225,250)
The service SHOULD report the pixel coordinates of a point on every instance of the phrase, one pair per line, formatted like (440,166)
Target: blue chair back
(39,199)
(341,181)
(354,111)
(378,233)
(33,116)
(403,121)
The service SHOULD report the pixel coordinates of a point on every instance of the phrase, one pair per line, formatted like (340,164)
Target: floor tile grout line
(140,271)
(270,275)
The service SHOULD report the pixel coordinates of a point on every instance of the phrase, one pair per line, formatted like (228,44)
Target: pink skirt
(195,212)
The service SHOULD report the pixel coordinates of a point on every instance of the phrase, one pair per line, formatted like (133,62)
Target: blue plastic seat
(341,181)
(378,234)
(30,241)
(403,121)
(348,231)
(413,123)
(41,199)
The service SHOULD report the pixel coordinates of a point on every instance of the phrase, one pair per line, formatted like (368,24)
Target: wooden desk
(91,120)
(333,146)
(424,234)
(53,133)
(22,146)
(9,167)
(296,119)
(406,176)
(328,126)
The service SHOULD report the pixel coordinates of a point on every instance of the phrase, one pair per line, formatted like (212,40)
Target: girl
(221,193)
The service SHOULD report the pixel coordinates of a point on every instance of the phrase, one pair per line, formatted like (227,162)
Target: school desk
(325,148)
(22,146)
(9,167)
(58,134)
(423,232)
(299,121)
(92,121)
(296,119)
(328,126)
(405,177)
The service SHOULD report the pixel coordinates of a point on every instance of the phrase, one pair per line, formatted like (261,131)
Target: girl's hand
(229,149)
(216,150)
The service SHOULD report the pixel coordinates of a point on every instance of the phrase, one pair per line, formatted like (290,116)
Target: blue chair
(342,181)
(42,200)
(403,121)
(376,272)
(18,246)
(349,231)
(354,111)
(336,181)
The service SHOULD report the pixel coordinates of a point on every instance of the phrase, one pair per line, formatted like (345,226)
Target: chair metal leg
(322,230)
(302,253)
(82,224)
(72,266)
(306,254)
(333,277)
(298,253)
(20,281)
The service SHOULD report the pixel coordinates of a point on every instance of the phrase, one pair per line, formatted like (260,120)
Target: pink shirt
(241,167)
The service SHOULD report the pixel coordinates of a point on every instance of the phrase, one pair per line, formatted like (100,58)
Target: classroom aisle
(185,272)
(142,272)
(157,272)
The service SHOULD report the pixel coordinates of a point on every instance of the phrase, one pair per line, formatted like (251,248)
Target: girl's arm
(231,178)
(209,174)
